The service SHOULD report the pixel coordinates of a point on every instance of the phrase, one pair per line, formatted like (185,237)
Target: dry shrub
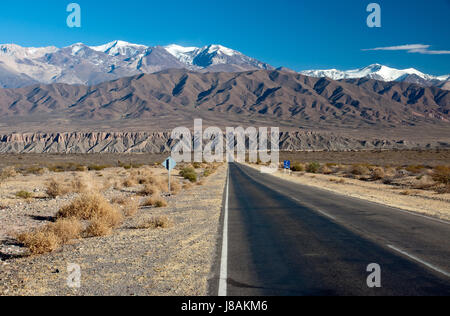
(298,167)
(441,174)
(98,228)
(40,241)
(129,182)
(406,192)
(55,188)
(130,208)
(360,170)
(443,190)
(66,229)
(155,201)
(415,169)
(90,206)
(156,222)
(378,173)
(326,170)
(149,190)
(187,186)
(175,187)
(8,172)
(120,200)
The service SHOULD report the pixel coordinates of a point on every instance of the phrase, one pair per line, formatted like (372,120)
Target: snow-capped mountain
(380,72)
(88,65)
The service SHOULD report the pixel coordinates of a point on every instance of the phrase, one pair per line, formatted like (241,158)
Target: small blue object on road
(287,164)
(169,163)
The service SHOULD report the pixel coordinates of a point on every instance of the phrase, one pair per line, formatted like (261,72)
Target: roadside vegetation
(408,177)
(100,198)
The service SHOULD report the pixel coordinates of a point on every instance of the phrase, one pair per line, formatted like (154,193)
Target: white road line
(224,259)
(326,214)
(317,210)
(420,261)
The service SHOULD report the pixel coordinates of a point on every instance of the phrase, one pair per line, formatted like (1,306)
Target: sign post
(169,164)
(287,165)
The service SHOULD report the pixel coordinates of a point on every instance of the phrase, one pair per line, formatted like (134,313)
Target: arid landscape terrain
(96,213)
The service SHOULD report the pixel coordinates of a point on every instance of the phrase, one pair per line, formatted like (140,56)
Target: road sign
(287,164)
(169,164)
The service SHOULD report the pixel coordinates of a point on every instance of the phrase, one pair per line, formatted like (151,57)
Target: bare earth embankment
(136,258)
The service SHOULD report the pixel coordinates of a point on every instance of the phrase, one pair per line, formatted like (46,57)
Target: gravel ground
(173,261)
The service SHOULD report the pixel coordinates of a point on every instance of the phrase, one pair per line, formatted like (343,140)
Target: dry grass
(149,190)
(155,222)
(66,229)
(441,174)
(90,206)
(98,228)
(55,188)
(8,172)
(155,201)
(378,173)
(130,207)
(40,241)
(360,170)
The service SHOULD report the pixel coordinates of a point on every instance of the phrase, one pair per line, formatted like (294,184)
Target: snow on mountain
(183,54)
(375,71)
(88,65)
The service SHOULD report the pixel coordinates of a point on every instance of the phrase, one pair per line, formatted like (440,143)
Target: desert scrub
(155,201)
(24,195)
(39,241)
(298,167)
(189,173)
(441,174)
(98,228)
(155,222)
(378,173)
(129,206)
(313,167)
(66,229)
(55,188)
(149,190)
(360,170)
(7,172)
(92,206)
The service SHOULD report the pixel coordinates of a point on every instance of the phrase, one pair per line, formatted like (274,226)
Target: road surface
(282,238)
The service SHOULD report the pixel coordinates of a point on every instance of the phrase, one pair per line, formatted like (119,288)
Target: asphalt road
(288,239)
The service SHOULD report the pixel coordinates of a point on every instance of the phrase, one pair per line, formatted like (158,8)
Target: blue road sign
(169,163)
(287,164)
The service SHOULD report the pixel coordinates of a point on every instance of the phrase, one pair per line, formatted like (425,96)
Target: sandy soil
(420,201)
(173,261)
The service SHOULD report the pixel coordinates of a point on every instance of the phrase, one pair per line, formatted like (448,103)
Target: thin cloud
(411,48)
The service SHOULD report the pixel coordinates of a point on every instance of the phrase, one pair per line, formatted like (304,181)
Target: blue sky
(292,33)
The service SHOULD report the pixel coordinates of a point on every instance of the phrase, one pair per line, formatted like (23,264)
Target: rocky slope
(134,142)
(272,95)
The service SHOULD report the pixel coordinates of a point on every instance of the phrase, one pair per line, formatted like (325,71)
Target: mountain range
(177,96)
(80,64)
